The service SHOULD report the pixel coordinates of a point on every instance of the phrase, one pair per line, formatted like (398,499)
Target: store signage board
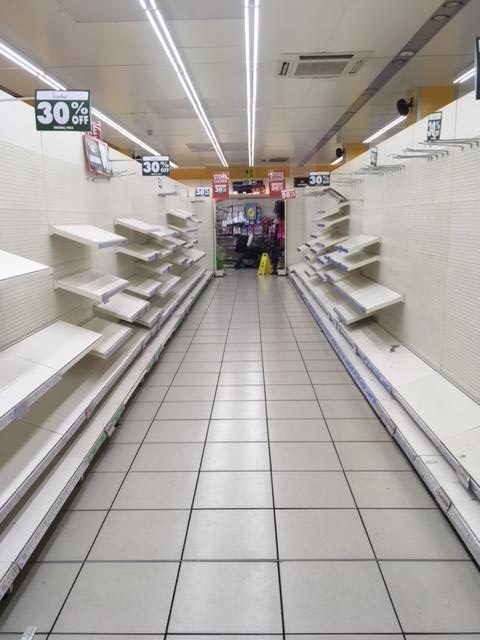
(98,157)
(373,157)
(301,181)
(477,68)
(276,183)
(220,185)
(319,179)
(434,126)
(289,194)
(62,111)
(202,192)
(155,166)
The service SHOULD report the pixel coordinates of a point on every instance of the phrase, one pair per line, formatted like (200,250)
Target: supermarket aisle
(306,516)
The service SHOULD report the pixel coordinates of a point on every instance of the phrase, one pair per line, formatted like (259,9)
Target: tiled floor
(250,490)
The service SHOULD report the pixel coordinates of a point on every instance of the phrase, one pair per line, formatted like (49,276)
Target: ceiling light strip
(337,161)
(252,25)
(25,64)
(466,75)
(384,129)
(162,32)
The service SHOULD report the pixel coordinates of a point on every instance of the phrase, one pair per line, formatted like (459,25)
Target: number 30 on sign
(319,179)
(62,110)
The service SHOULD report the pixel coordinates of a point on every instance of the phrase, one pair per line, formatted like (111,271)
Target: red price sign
(276,183)
(220,186)
(288,194)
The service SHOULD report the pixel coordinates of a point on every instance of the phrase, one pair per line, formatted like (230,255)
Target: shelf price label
(276,183)
(155,166)
(202,192)
(319,179)
(62,111)
(288,194)
(434,126)
(220,185)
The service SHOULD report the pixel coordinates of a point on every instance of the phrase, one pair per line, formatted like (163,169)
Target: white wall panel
(428,218)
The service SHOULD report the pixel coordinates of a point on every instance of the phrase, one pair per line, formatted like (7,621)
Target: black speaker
(403,107)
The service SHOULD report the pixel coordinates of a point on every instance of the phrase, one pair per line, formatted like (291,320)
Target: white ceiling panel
(109,47)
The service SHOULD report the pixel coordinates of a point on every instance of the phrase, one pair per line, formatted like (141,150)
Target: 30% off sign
(62,110)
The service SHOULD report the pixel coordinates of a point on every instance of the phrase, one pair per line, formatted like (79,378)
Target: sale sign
(288,194)
(276,183)
(220,185)
(62,110)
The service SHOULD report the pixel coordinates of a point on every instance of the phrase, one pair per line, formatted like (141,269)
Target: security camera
(403,107)
(339,152)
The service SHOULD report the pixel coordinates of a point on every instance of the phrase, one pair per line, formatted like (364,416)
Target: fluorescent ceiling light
(384,129)
(33,70)
(466,75)
(252,20)
(162,32)
(337,161)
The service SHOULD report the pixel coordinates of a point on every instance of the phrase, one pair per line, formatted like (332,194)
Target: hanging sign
(220,185)
(202,192)
(288,194)
(301,181)
(276,183)
(373,156)
(98,157)
(319,179)
(62,111)
(155,166)
(434,126)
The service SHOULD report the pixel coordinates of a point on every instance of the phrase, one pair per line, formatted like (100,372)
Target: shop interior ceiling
(108,46)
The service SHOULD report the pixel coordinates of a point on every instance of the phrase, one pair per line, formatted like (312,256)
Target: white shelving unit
(169,281)
(366,295)
(347,315)
(88,234)
(162,233)
(326,241)
(114,335)
(42,501)
(144,287)
(331,222)
(357,243)
(139,226)
(352,261)
(29,368)
(436,437)
(195,254)
(152,317)
(13,266)
(139,251)
(94,285)
(124,307)
(155,268)
(185,231)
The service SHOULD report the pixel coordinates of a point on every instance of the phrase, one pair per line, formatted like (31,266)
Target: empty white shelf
(145,287)
(88,234)
(183,230)
(114,335)
(178,213)
(29,368)
(303,247)
(139,251)
(124,307)
(325,241)
(195,255)
(333,276)
(331,222)
(134,224)
(356,243)
(350,262)
(367,295)
(172,241)
(162,232)
(180,260)
(169,281)
(92,284)
(152,316)
(156,268)
(347,315)
(13,266)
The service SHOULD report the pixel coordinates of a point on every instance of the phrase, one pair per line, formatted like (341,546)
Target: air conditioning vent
(321,65)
